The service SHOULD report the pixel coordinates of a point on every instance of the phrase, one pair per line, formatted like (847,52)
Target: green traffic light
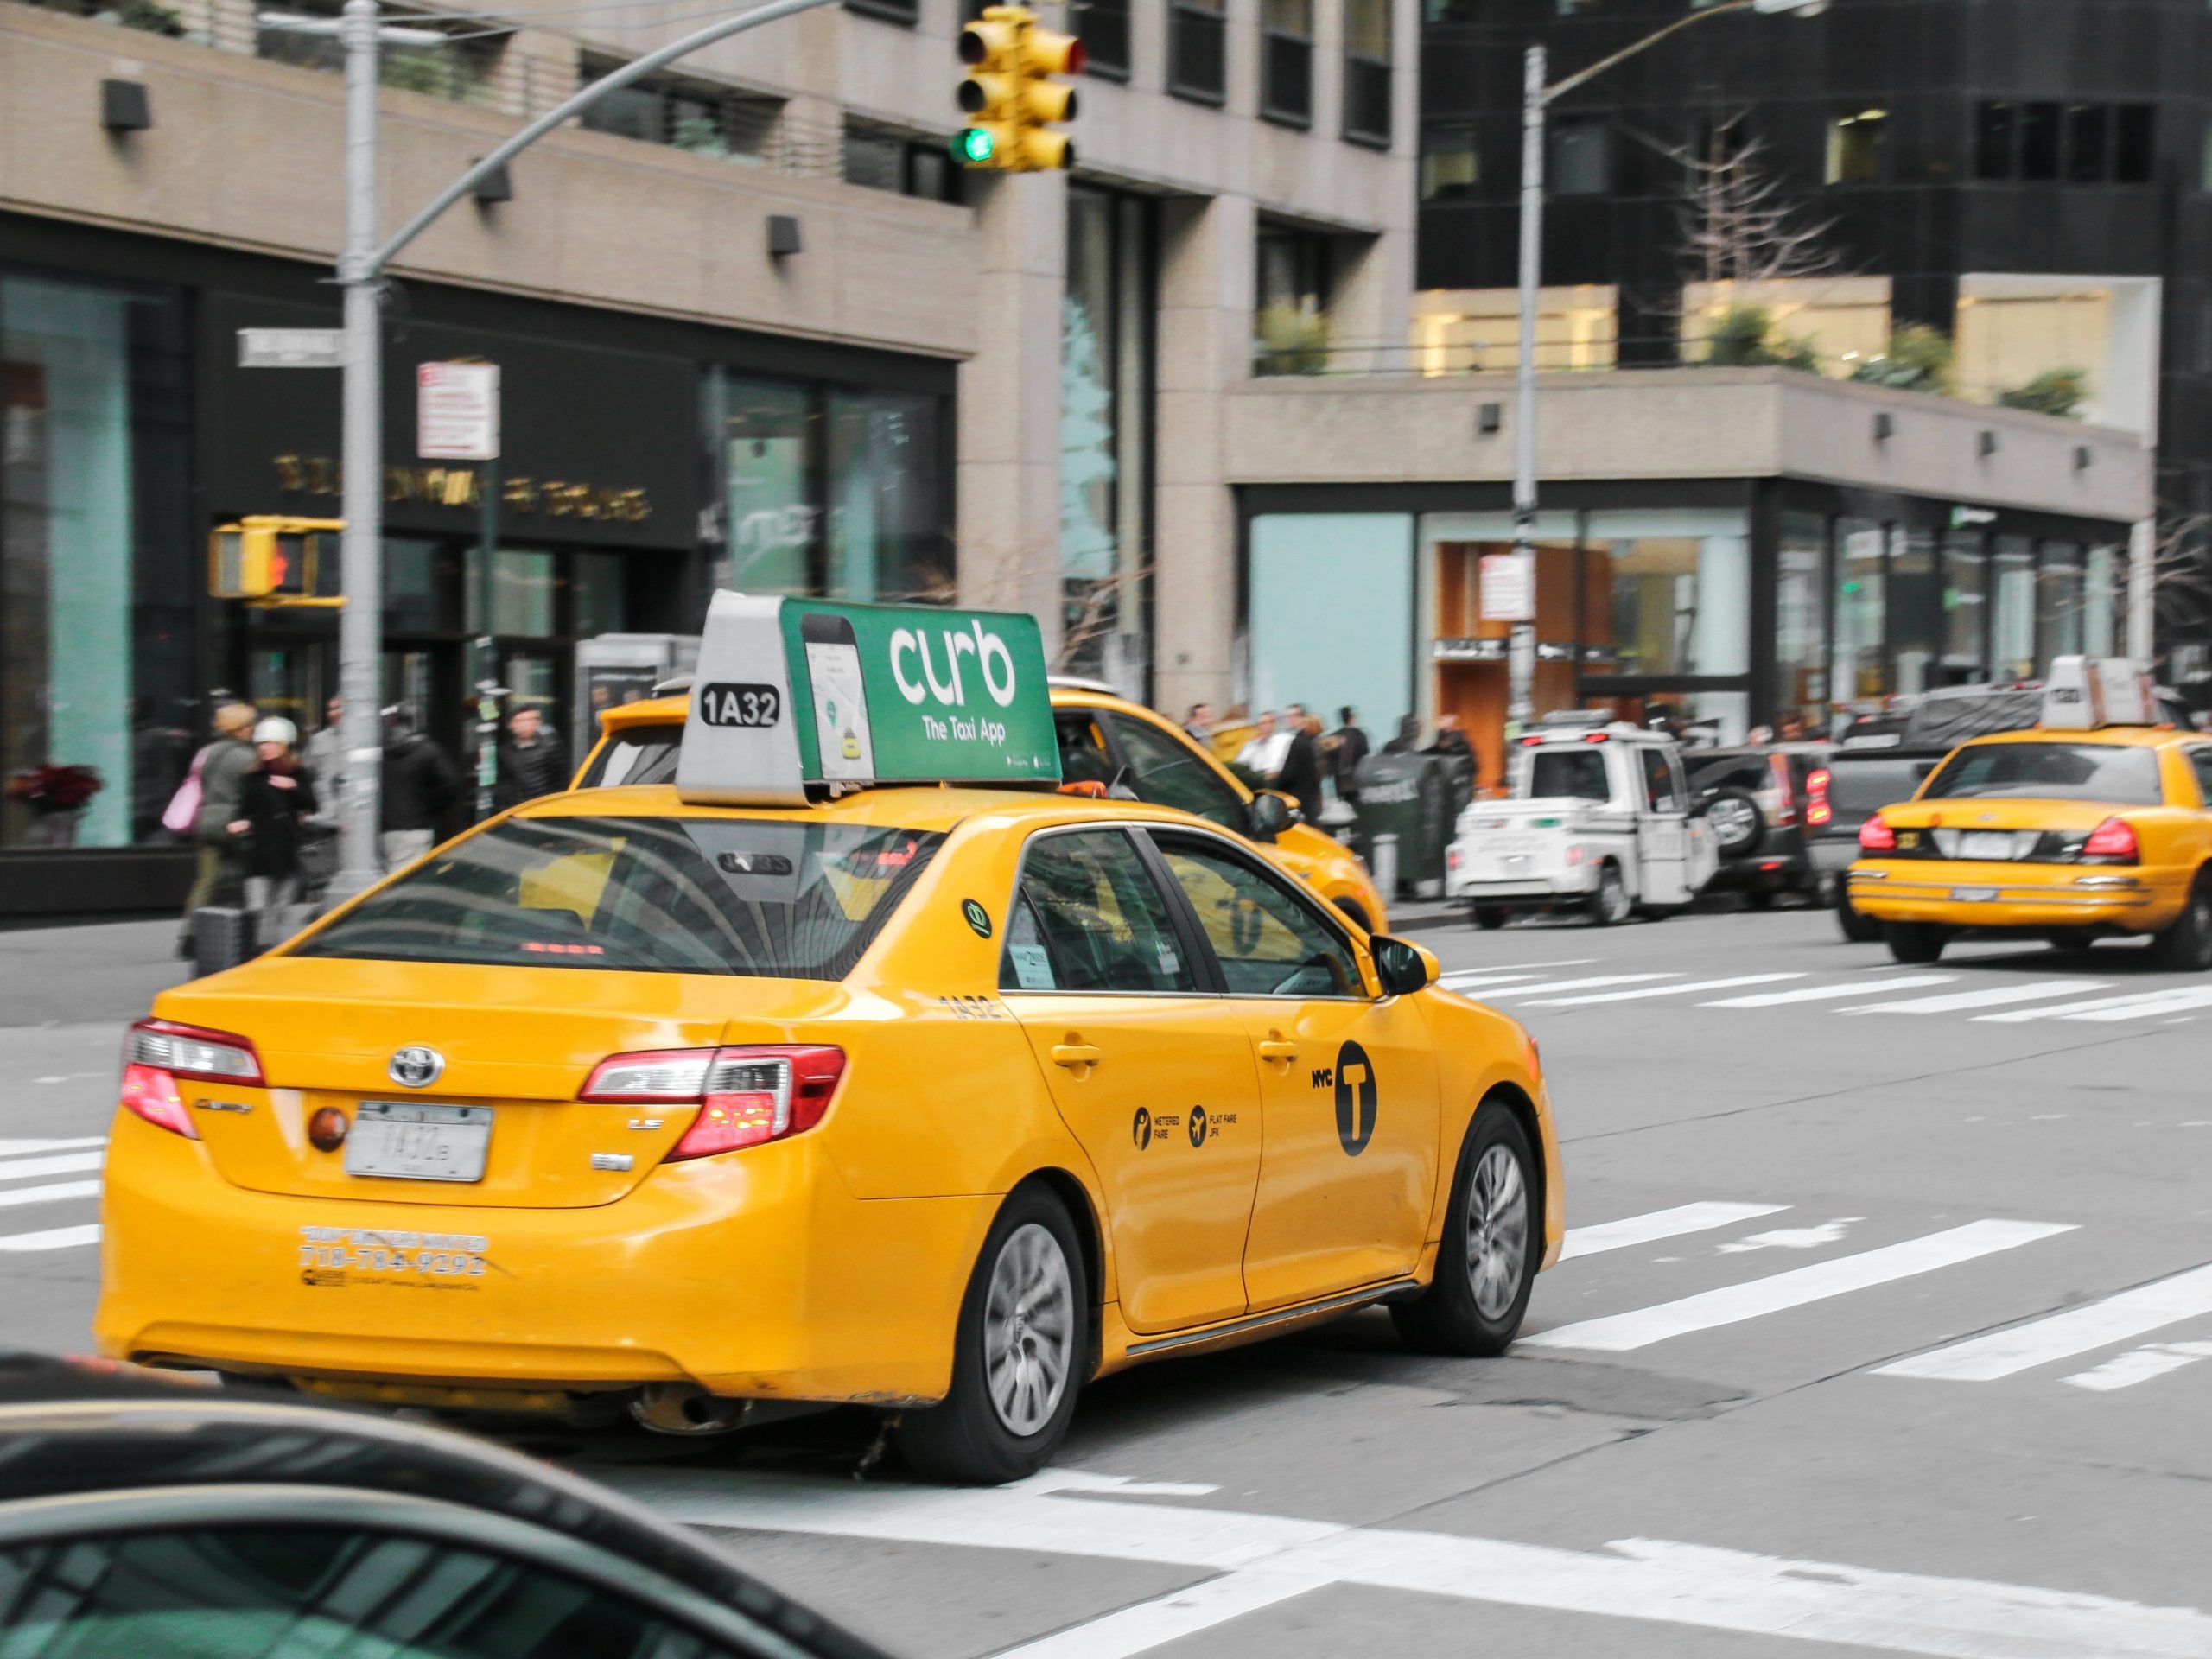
(973,144)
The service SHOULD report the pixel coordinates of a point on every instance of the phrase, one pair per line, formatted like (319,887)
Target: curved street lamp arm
(1559,88)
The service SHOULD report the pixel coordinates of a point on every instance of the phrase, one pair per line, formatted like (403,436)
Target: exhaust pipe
(683,1409)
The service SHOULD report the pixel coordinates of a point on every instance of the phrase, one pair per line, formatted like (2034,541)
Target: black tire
(1660,912)
(1857,927)
(1759,899)
(2185,947)
(1915,942)
(1611,906)
(1737,823)
(1490,920)
(967,1440)
(1450,1317)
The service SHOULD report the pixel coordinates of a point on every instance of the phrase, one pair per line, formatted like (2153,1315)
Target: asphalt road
(1884,1327)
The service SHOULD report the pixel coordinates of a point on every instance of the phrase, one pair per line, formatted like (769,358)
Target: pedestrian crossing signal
(272,560)
(1010,96)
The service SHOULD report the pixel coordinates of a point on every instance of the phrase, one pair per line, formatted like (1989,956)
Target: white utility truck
(1599,820)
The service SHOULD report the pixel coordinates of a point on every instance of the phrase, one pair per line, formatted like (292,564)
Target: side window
(308,1589)
(1168,773)
(1090,918)
(1662,781)
(1084,759)
(2200,762)
(1269,943)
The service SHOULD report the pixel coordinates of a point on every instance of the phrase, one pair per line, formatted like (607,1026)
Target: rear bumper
(1484,892)
(2131,901)
(753,1274)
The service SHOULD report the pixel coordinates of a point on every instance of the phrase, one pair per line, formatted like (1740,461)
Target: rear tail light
(1876,837)
(2115,841)
(746,1096)
(1532,740)
(1597,737)
(1785,793)
(1818,813)
(156,1052)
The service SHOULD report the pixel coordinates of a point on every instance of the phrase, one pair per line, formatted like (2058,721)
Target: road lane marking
(2131,1005)
(2172,1002)
(2062,1336)
(1483,981)
(1661,991)
(70,1163)
(1653,1580)
(54,1238)
(1793,1238)
(1989,999)
(1517,970)
(1824,993)
(1591,983)
(2140,1365)
(1650,1229)
(1620,1333)
(14,1148)
(1150,1625)
(50,1194)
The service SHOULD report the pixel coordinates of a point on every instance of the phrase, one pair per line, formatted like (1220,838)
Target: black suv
(1756,801)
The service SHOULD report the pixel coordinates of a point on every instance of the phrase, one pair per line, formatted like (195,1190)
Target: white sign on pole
(457,411)
(291,348)
(1508,587)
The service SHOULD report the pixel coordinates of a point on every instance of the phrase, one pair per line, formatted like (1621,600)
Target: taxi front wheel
(1018,1357)
(2185,946)
(1487,1264)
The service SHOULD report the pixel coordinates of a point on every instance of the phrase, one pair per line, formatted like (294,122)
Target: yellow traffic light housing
(1009,97)
(272,560)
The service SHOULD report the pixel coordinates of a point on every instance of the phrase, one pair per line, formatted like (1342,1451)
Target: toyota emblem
(416,1066)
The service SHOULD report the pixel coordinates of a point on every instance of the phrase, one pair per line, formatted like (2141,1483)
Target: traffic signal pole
(360,274)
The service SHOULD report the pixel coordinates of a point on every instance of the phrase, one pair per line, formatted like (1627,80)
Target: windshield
(1579,773)
(634,754)
(2049,772)
(742,896)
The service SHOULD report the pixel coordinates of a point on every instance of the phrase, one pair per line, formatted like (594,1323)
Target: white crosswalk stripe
(54,1239)
(69,1163)
(1631,1230)
(1732,1304)
(2140,1365)
(13,1196)
(2142,1006)
(13,1149)
(1832,992)
(2064,1335)
(1690,989)
(1591,983)
(1996,996)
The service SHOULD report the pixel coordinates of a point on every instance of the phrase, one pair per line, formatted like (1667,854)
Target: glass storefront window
(1966,606)
(1916,608)
(768,471)
(1680,590)
(602,599)
(2059,603)
(1860,670)
(885,530)
(2013,644)
(96,580)
(513,593)
(415,588)
(2100,603)
(1800,619)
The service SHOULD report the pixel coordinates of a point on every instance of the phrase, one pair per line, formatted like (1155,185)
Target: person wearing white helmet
(276,799)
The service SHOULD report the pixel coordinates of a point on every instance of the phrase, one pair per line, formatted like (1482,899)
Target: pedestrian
(276,799)
(1349,746)
(1255,757)
(420,782)
(219,771)
(1199,723)
(1451,740)
(1300,774)
(1792,729)
(1408,738)
(529,760)
(324,757)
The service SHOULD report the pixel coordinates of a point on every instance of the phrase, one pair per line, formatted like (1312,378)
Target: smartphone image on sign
(833,670)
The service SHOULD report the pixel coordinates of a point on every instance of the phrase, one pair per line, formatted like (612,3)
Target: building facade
(1004,390)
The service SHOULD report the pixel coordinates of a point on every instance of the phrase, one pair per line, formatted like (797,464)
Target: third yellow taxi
(2095,823)
(860,1064)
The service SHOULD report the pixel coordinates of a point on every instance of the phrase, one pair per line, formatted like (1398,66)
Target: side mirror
(1267,816)
(1403,967)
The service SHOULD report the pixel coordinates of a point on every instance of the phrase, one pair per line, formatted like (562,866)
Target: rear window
(1577,772)
(1745,771)
(635,755)
(743,896)
(1865,788)
(2062,772)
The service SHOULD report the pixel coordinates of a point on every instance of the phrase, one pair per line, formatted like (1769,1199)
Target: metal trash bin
(222,937)
(1412,798)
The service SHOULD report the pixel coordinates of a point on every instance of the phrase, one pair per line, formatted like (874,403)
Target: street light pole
(1536,97)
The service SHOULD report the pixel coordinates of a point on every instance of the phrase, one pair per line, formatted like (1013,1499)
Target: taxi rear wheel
(1487,1264)
(1917,941)
(2186,946)
(1019,1355)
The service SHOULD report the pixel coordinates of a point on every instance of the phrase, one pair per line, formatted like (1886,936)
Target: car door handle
(1280,1052)
(1074,1055)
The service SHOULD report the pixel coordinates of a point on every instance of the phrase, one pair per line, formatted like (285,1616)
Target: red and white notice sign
(457,411)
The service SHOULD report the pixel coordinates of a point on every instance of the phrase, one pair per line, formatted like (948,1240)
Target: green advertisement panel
(913,693)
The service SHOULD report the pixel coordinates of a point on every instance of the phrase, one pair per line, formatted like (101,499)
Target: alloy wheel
(1498,1231)
(1734,823)
(1029,1329)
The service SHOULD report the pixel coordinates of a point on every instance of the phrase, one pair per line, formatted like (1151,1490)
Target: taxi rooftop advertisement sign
(792,696)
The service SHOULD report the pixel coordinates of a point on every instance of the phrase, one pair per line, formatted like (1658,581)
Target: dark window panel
(1996,127)
(1104,28)
(1287,79)
(2133,143)
(2039,141)
(1197,53)
(2087,131)
(1580,160)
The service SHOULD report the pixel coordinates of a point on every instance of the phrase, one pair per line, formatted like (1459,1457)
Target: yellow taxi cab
(813,1078)
(1101,733)
(2097,821)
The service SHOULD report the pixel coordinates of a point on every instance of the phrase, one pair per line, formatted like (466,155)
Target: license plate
(1986,843)
(406,1141)
(1974,895)
(1515,844)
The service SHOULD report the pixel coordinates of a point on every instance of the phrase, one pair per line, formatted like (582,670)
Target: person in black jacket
(274,800)
(529,760)
(419,784)
(1300,776)
(1348,746)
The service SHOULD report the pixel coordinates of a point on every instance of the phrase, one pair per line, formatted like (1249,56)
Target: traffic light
(274,561)
(1009,96)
